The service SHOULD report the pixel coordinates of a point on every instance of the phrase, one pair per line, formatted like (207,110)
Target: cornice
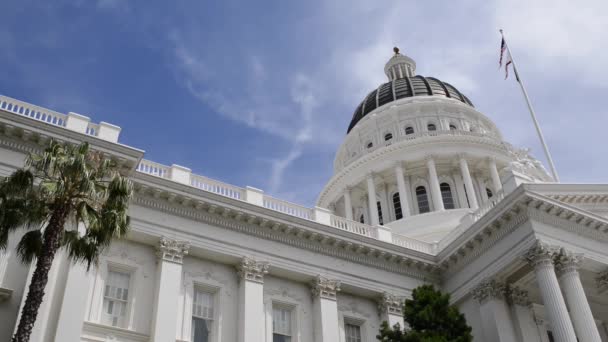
(357,248)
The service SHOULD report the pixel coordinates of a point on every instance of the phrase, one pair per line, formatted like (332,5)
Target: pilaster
(325,309)
(170,254)
(521,307)
(251,299)
(390,308)
(496,319)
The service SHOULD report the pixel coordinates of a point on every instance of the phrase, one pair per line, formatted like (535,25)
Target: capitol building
(424,191)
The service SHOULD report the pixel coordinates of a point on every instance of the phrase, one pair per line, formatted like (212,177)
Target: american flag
(503,48)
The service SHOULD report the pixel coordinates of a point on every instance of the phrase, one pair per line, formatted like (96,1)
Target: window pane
(353,333)
(489,193)
(431,127)
(446,195)
(423,200)
(116,295)
(280,338)
(409,130)
(380,219)
(200,329)
(281,321)
(397,206)
(202,304)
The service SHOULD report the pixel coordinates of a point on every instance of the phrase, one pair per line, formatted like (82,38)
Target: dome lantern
(399,66)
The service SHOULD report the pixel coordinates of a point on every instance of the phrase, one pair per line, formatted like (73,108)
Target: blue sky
(260,92)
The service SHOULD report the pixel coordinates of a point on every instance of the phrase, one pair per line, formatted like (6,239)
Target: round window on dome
(388,136)
(431,127)
(369,144)
(453,127)
(409,130)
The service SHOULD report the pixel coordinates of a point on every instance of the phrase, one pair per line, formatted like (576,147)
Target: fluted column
(403,193)
(434,183)
(348,207)
(540,257)
(567,265)
(468,183)
(170,254)
(390,308)
(251,300)
(496,183)
(496,319)
(325,309)
(372,200)
(524,322)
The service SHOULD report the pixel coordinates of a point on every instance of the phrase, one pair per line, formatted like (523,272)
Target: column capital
(398,164)
(518,296)
(390,304)
(462,156)
(602,281)
(567,262)
(489,289)
(252,270)
(430,158)
(172,250)
(540,255)
(325,288)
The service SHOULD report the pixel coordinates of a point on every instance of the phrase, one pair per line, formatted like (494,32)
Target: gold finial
(396,49)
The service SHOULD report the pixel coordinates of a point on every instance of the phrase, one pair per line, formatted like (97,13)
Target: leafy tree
(66,185)
(430,317)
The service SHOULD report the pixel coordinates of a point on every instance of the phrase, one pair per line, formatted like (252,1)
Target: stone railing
(217,187)
(409,137)
(353,226)
(487,206)
(417,245)
(288,208)
(72,121)
(154,169)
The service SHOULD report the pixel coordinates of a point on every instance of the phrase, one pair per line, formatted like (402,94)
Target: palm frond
(30,246)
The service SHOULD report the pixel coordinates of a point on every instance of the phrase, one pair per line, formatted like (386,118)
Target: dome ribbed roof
(402,88)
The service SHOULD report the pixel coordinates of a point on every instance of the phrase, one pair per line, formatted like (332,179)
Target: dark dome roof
(405,87)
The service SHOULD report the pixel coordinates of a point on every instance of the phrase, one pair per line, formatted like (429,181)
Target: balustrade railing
(488,205)
(92,129)
(414,244)
(154,169)
(37,113)
(353,226)
(288,207)
(217,187)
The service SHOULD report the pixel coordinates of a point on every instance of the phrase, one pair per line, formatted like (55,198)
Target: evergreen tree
(430,317)
(66,186)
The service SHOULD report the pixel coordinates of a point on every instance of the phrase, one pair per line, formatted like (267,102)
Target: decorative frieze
(252,270)
(540,255)
(390,304)
(518,296)
(325,288)
(602,281)
(566,262)
(489,289)
(172,250)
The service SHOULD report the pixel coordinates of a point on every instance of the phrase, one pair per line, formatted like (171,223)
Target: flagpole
(540,133)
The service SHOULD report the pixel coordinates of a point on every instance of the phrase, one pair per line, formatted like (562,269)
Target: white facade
(525,259)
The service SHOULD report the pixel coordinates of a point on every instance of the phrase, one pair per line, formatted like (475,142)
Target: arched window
(370,144)
(453,127)
(380,219)
(423,200)
(446,195)
(388,136)
(397,206)
(489,193)
(362,219)
(409,130)
(431,127)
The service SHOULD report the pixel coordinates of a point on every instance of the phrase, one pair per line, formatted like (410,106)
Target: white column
(348,206)
(495,316)
(540,257)
(170,253)
(403,194)
(434,183)
(371,198)
(390,308)
(460,191)
(482,189)
(496,183)
(468,183)
(251,300)
(524,322)
(582,318)
(325,309)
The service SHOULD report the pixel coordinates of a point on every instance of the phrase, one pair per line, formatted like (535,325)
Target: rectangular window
(380,219)
(202,315)
(353,332)
(281,324)
(116,298)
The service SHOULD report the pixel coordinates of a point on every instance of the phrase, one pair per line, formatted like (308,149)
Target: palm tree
(66,197)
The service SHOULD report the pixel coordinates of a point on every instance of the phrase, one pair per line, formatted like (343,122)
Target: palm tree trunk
(50,245)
